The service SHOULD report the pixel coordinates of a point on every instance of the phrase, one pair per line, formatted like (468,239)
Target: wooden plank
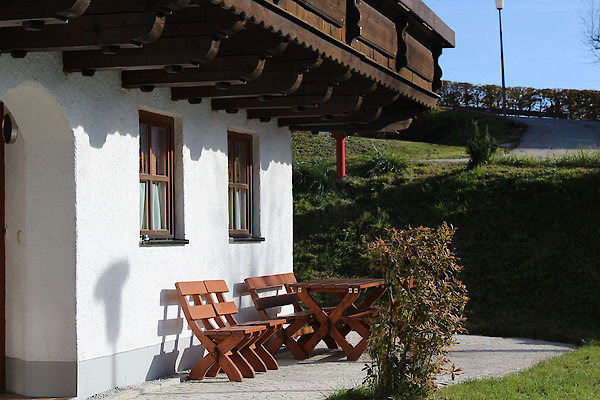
(269,281)
(204,311)
(376,30)
(269,83)
(333,11)
(14,13)
(87,32)
(184,52)
(191,288)
(277,300)
(216,286)
(360,117)
(419,58)
(120,6)
(304,97)
(219,71)
(337,105)
(424,13)
(227,308)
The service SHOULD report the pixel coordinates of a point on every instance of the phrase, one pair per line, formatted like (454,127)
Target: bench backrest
(215,295)
(271,283)
(196,311)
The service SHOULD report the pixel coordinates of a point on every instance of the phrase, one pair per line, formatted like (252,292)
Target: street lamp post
(500,6)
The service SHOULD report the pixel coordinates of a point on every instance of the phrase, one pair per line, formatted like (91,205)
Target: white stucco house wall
(89,306)
(112,191)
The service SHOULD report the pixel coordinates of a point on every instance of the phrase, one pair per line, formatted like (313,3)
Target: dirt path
(546,137)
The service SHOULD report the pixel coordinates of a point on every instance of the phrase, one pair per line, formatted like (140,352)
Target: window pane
(143,149)
(240,163)
(144,205)
(241,209)
(231,192)
(159,149)
(159,205)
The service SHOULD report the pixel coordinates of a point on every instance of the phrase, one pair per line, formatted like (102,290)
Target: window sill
(163,242)
(247,239)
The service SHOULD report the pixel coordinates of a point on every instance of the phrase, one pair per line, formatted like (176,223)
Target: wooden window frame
(160,121)
(247,139)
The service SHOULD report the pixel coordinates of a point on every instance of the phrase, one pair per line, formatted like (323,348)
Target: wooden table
(347,292)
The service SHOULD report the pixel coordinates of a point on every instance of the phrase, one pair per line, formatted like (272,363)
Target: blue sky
(544,45)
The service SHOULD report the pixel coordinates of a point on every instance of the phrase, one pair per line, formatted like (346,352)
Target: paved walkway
(547,137)
(328,371)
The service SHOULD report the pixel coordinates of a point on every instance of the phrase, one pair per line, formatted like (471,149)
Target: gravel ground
(328,370)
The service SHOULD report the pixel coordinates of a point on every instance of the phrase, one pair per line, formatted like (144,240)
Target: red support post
(340,150)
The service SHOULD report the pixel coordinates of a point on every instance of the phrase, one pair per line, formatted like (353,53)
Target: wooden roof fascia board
(286,25)
(427,16)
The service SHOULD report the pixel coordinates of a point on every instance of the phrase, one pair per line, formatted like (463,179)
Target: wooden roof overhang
(344,65)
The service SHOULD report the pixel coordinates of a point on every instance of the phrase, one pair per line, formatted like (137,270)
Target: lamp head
(499,4)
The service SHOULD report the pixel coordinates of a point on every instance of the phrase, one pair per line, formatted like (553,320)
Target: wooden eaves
(344,65)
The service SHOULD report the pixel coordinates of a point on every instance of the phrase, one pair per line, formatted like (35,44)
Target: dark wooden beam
(15,13)
(282,75)
(306,96)
(129,6)
(222,71)
(358,118)
(87,32)
(183,52)
(346,99)
(269,83)
(335,106)
(209,20)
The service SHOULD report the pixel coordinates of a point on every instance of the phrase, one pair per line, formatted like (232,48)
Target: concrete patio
(328,371)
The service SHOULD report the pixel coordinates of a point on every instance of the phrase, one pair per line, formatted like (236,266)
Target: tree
(591,21)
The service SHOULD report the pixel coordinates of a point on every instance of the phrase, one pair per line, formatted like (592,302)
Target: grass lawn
(575,375)
(572,376)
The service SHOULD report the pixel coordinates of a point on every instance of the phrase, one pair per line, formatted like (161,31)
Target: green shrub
(409,339)
(312,177)
(480,146)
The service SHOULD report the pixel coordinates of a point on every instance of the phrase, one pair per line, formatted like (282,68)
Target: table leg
(320,316)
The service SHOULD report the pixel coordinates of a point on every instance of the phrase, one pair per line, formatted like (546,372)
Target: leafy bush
(409,339)
(480,146)
(312,177)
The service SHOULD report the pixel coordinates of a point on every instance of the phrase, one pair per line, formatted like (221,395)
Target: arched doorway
(39,247)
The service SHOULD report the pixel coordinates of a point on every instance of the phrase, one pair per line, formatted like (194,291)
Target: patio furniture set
(240,349)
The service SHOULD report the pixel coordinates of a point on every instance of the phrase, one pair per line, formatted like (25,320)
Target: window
(156,175)
(240,184)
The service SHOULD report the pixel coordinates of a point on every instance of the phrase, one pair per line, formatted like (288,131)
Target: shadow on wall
(109,290)
(165,363)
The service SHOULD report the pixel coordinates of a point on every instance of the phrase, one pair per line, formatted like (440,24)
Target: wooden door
(2,265)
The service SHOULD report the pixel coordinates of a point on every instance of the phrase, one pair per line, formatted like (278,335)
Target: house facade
(149,142)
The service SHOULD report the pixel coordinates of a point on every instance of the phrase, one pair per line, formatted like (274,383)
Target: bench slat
(216,286)
(202,312)
(269,281)
(277,300)
(189,288)
(226,308)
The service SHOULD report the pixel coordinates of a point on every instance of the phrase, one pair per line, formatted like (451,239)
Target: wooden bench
(215,295)
(300,323)
(225,344)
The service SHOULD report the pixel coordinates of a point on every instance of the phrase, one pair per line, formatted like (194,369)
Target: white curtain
(159,202)
(143,207)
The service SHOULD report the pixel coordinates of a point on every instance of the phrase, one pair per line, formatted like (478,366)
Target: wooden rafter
(19,13)
(93,32)
(219,72)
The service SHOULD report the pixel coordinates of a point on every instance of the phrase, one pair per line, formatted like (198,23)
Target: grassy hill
(528,232)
